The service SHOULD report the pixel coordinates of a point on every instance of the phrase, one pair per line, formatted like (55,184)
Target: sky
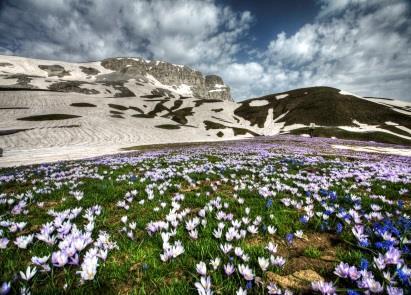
(257,47)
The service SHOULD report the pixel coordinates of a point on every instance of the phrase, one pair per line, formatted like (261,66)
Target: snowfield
(372,149)
(86,109)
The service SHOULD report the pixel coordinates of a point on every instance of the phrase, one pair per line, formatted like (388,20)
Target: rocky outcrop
(299,280)
(216,89)
(211,87)
(54,70)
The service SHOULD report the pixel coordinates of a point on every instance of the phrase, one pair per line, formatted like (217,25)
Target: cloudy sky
(258,47)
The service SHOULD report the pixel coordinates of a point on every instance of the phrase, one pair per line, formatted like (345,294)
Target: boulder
(299,280)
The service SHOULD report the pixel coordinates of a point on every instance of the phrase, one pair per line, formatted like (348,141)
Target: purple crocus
(393,256)
(323,287)
(59,258)
(3,243)
(5,288)
(342,270)
(289,238)
(229,269)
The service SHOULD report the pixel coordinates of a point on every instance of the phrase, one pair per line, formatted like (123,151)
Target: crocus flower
(394,291)
(342,270)
(299,234)
(201,268)
(39,260)
(5,288)
(263,263)
(204,286)
(271,229)
(273,289)
(272,247)
(88,268)
(371,284)
(393,256)
(226,248)
(23,241)
(379,261)
(29,274)
(229,269)
(3,243)
(215,263)
(323,287)
(353,273)
(246,272)
(252,229)
(277,261)
(25,290)
(217,233)
(193,234)
(59,258)
(133,225)
(238,251)
(289,238)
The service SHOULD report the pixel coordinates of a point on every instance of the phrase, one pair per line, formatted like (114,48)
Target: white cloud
(360,46)
(180,31)
(357,45)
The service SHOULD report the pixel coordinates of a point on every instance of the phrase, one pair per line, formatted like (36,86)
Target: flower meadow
(283,215)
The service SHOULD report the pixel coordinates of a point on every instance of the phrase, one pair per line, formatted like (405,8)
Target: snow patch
(259,103)
(216,90)
(281,96)
(373,149)
(343,92)
(281,116)
(270,125)
(370,128)
(403,128)
(293,126)
(391,123)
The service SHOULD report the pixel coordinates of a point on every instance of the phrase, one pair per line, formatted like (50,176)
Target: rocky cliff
(113,77)
(211,86)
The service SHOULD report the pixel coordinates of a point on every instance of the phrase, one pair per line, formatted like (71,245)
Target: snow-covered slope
(114,77)
(54,110)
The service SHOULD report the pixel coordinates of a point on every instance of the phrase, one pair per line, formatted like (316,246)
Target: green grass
(312,252)
(136,267)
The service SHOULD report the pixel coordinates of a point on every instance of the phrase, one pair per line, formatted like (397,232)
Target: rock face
(211,87)
(216,89)
(112,77)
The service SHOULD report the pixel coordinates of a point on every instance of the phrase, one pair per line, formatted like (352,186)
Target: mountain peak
(110,75)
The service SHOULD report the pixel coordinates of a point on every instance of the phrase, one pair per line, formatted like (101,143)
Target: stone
(329,258)
(299,280)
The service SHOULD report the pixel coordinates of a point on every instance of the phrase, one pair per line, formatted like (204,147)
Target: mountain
(334,112)
(113,77)
(54,110)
